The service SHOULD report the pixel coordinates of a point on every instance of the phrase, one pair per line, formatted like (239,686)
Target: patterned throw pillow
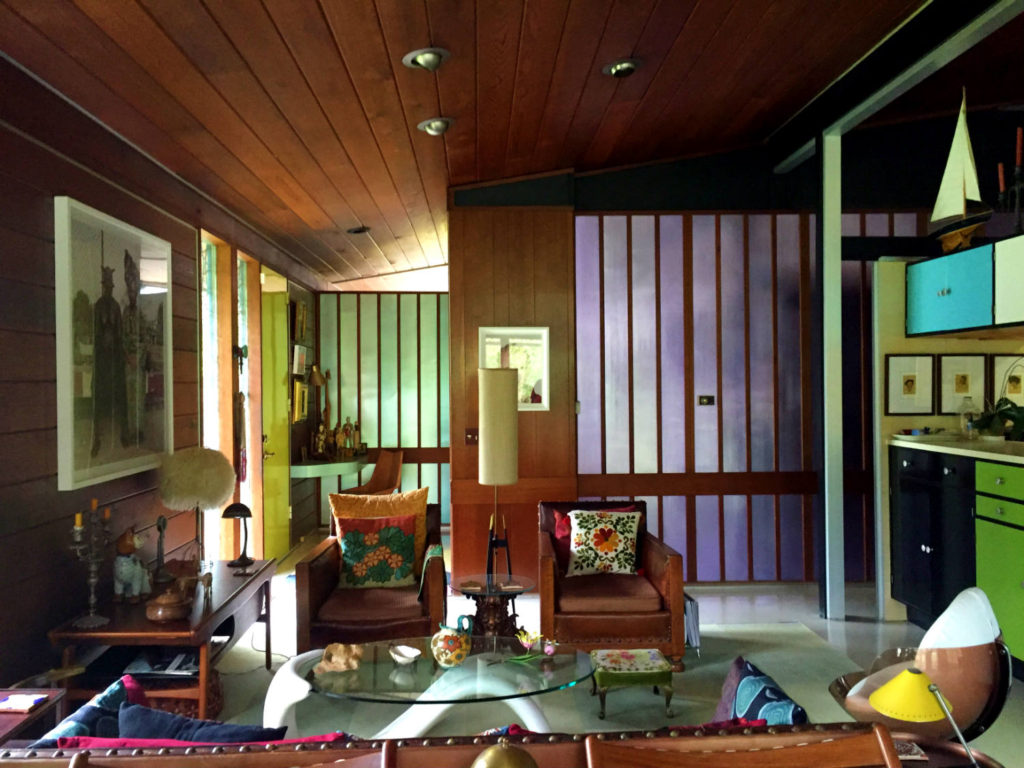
(387,505)
(602,542)
(97,717)
(754,695)
(563,534)
(377,551)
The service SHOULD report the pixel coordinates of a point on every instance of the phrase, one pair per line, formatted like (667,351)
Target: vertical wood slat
(746,384)
(688,341)
(629,335)
(659,423)
(718,393)
(807,462)
(776,503)
(601,314)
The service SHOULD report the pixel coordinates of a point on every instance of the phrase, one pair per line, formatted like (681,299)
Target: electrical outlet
(705,399)
(472,436)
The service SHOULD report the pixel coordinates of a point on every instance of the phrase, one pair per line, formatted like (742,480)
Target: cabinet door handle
(1000,481)
(906,463)
(1000,511)
(947,471)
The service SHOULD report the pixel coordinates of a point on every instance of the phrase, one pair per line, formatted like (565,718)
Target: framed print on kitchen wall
(961,376)
(1008,378)
(909,384)
(114,340)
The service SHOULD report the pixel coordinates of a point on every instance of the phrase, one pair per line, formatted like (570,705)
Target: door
(276,414)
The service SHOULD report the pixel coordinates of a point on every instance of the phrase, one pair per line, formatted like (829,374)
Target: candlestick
(78,519)
(106,513)
(91,550)
(1020,144)
(1002,179)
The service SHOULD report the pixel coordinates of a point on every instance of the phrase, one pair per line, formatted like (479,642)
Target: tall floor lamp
(498,448)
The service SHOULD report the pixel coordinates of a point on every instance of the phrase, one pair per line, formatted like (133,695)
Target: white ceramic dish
(925,438)
(404,654)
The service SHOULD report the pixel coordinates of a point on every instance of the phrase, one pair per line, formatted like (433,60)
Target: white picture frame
(115,399)
(909,384)
(525,348)
(1008,372)
(961,376)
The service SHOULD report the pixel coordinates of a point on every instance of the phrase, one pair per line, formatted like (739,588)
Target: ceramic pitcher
(451,645)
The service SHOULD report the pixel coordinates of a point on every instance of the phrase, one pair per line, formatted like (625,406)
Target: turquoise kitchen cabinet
(951,292)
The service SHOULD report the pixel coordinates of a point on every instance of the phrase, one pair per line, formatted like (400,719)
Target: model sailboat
(959,210)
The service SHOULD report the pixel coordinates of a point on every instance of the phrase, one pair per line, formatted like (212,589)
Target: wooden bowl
(170,606)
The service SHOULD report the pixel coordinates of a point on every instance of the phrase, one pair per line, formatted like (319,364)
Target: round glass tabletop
(497,669)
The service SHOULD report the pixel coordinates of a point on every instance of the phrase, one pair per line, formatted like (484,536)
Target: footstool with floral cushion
(631,666)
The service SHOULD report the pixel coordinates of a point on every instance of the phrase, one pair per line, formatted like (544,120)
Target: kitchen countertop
(1009,451)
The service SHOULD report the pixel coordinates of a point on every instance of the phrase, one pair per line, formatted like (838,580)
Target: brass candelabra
(91,549)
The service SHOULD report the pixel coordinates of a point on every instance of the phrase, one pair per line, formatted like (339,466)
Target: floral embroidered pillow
(602,542)
(377,551)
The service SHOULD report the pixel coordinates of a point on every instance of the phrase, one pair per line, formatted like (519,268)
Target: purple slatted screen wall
(673,307)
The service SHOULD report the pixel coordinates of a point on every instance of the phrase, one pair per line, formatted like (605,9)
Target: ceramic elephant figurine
(131,578)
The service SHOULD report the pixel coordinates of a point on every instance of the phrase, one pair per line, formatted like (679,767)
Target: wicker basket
(188,707)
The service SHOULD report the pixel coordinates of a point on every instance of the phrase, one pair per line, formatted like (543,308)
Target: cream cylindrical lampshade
(499,426)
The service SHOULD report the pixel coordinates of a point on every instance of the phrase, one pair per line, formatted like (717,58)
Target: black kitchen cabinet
(931,507)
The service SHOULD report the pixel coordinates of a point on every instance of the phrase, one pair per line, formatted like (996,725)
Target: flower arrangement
(535,644)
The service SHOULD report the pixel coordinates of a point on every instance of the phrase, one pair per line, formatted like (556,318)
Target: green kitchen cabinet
(1000,573)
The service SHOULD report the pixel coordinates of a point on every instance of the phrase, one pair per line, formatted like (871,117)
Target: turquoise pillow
(97,717)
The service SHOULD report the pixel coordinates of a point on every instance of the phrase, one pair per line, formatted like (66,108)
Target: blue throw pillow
(137,722)
(758,697)
(97,717)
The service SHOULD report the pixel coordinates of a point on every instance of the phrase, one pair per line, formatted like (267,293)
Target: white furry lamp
(196,478)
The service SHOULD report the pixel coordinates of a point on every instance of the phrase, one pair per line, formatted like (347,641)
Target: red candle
(1002,179)
(1020,143)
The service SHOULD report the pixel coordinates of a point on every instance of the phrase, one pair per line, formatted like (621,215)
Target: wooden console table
(234,604)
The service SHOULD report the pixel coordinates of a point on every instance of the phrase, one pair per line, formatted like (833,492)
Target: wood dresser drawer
(999,479)
(996,509)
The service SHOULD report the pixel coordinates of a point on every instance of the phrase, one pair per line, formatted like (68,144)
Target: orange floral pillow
(376,551)
(601,541)
(389,505)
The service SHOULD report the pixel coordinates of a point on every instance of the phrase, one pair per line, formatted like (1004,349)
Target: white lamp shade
(499,426)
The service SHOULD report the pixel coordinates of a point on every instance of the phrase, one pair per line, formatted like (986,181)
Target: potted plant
(1005,417)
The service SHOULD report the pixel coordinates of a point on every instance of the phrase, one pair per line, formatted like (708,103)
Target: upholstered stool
(632,666)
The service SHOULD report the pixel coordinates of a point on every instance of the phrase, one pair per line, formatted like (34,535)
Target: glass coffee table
(489,673)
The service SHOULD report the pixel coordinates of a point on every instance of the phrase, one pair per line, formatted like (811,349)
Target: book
(21,702)
(164,663)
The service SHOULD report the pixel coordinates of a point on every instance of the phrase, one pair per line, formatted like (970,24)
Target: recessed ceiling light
(362,229)
(621,67)
(435,126)
(425,58)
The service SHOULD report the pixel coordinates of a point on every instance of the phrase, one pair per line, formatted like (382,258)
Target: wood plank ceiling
(299,116)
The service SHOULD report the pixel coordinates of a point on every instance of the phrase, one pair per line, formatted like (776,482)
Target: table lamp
(242,512)
(913,697)
(499,447)
(196,478)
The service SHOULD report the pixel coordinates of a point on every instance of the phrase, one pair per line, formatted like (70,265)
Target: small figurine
(321,441)
(131,579)
(347,431)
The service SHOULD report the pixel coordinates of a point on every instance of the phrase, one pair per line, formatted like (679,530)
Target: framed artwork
(113,332)
(909,385)
(300,401)
(299,360)
(1008,378)
(299,333)
(961,376)
(524,348)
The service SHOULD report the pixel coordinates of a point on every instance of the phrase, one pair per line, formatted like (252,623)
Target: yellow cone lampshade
(906,697)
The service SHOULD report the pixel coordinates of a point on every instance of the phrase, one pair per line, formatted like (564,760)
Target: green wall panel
(369,393)
(428,371)
(389,370)
(445,437)
(408,321)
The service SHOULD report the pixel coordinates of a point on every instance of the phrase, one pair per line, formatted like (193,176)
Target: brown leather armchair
(326,614)
(612,610)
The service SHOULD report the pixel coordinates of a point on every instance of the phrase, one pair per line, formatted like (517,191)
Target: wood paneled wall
(48,148)
(511,267)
